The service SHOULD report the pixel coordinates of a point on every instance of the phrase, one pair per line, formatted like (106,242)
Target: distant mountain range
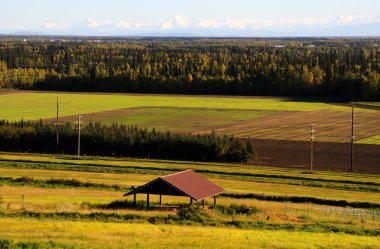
(365,29)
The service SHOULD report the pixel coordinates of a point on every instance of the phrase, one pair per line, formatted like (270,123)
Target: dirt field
(327,156)
(281,132)
(331,126)
(5,91)
(280,138)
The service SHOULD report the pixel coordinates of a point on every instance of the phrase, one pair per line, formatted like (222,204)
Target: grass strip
(302,199)
(246,176)
(73,183)
(59,183)
(179,219)
(10,244)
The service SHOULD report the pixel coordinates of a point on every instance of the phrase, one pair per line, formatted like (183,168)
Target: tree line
(121,141)
(344,68)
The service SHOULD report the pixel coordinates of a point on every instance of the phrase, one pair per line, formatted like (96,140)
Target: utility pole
(57,124)
(312,136)
(78,123)
(352,138)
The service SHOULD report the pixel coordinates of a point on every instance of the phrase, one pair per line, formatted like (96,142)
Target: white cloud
(167,25)
(141,26)
(97,24)
(138,25)
(207,24)
(236,23)
(51,25)
(182,21)
(305,21)
(285,23)
(56,26)
(66,25)
(345,20)
(124,25)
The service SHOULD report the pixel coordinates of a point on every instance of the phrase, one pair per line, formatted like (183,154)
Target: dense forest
(121,140)
(344,68)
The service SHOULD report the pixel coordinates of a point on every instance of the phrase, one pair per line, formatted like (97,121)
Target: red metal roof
(185,183)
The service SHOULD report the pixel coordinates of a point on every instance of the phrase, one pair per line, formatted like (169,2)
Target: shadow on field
(327,156)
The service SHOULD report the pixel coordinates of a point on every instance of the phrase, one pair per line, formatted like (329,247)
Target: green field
(32,106)
(370,140)
(172,118)
(58,215)
(260,118)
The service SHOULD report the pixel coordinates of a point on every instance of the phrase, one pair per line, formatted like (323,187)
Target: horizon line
(168,35)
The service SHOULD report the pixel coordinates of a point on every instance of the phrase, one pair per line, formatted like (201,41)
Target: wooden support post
(191,201)
(147,200)
(160,199)
(203,203)
(214,201)
(134,200)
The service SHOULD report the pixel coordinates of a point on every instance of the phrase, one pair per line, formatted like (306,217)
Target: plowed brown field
(327,156)
(331,126)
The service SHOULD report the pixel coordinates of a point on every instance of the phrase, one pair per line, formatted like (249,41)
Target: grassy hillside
(49,201)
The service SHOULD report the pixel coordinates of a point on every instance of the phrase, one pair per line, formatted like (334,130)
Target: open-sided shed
(185,183)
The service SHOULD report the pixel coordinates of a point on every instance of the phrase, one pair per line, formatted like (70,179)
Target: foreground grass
(214,218)
(42,212)
(43,103)
(92,234)
(36,199)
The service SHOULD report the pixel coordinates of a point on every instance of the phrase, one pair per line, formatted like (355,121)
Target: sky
(192,17)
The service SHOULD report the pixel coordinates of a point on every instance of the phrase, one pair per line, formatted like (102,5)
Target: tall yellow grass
(112,235)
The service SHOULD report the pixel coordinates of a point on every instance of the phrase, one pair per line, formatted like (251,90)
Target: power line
(78,123)
(312,136)
(352,138)
(57,124)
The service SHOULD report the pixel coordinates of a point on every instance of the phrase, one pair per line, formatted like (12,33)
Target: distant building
(186,183)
